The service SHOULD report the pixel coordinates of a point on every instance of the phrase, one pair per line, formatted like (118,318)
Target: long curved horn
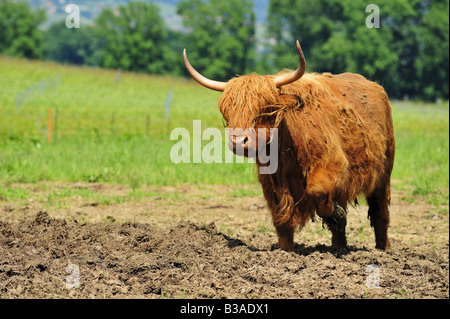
(295,75)
(210,84)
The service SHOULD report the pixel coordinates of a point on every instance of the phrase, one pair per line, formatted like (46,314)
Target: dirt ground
(208,242)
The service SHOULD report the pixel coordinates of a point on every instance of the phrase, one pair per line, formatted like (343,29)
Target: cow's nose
(241,141)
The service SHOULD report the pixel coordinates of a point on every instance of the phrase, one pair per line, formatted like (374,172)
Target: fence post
(147,124)
(167,107)
(112,123)
(56,125)
(49,128)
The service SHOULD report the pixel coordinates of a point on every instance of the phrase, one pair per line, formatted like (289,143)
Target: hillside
(89,9)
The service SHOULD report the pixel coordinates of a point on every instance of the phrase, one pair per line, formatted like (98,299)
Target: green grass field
(112,127)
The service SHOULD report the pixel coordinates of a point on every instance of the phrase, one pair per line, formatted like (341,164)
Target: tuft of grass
(8,193)
(264,228)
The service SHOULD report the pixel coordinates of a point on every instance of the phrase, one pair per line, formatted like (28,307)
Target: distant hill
(89,9)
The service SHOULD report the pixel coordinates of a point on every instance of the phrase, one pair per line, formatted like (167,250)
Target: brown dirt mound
(192,260)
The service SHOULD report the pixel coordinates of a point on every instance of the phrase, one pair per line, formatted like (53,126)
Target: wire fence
(29,117)
(55,124)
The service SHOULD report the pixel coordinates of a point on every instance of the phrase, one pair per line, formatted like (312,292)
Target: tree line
(408,53)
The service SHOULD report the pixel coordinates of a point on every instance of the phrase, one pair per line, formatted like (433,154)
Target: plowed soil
(208,242)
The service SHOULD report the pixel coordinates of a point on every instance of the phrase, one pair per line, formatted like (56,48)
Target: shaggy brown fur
(335,141)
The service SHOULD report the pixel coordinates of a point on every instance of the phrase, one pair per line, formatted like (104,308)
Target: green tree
(71,45)
(19,33)
(432,63)
(335,38)
(221,36)
(133,37)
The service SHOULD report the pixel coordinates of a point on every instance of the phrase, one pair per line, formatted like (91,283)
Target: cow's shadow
(299,249)
(303,250)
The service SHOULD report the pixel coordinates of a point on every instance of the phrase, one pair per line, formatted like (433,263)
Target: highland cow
(335,142)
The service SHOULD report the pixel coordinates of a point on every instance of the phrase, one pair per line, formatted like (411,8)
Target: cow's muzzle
(246,142)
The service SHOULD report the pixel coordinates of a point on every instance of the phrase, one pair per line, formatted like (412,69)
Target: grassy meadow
(113,127)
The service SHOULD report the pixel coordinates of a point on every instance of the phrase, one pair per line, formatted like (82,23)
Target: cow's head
(247,104)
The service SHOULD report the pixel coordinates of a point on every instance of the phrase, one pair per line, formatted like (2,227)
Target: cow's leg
(379,216)
(335,217)
(282,215)
(336,224)
(276,199)
(320,186)
(285,237)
